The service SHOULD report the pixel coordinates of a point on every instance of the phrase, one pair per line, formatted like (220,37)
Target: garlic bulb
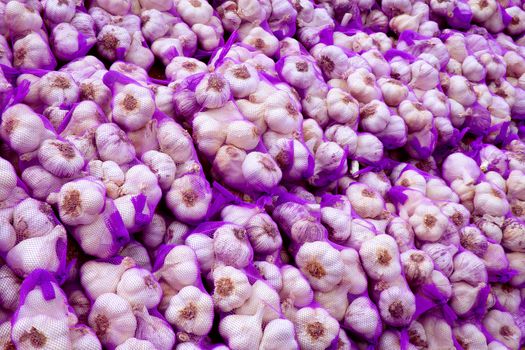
(428,222)
(321,264)
(99,277)
(507,296)
(261,294)
(469,335)
(397,306)
(79,202)
(260,171)
(189,198)
(442,256)
(113,144)
(58,89)
(468,268)
(464,297)
(133,107)
(279,334)
(231,246)
(213,91)
(315,328)
(502,327)
(242,332)
(380,258)
(362,317)
(231,288)
(139,287)
(154,329)
(37,253)
(202,245)
(40,331)
(22,128)
(270,273)
(191,311)
(438,332)
(366,201)
(417,266)
(295,287)
(179,268)
(83,336)
(112,319)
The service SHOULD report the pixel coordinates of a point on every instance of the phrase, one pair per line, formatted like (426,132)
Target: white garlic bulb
(321,264)
(60,158)
(367,202)
(140,288)
(231,246)
(295,287)
(98,277)
(380,258)
(213,91)
(315,328)
(191,311)
(112,319)
(202,245)
(502,327)
(80,201)
(417,265)
(265,295)
(189,198)
(231,288)
(362,317)
(113,144)
(179,268)
(40,331)
(242,332)
(260,171)
(279,334)
(133,107)
(468,268)
(469,335)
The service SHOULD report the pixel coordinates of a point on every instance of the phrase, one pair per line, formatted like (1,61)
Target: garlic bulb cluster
(262,174)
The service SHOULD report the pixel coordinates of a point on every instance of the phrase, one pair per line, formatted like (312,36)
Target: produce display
(262,174)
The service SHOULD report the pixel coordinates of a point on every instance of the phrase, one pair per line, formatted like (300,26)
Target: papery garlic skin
(469,335)
(60,158)
(113,144)
(113,41)
(22,128)
(417,265)
(231,246)
(37,253)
